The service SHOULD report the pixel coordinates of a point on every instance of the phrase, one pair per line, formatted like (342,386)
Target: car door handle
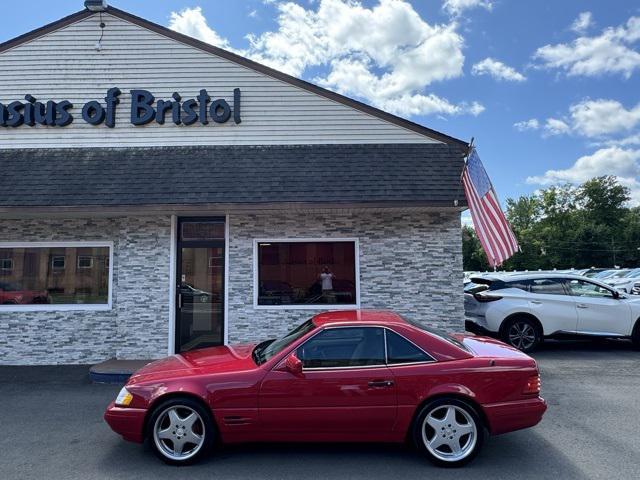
(581,305)
(381,383)
(536,302)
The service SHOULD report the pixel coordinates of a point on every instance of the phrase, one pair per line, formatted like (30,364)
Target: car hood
(223,359)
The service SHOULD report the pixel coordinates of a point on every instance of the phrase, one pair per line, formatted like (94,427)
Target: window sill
(323,307)
(53,308)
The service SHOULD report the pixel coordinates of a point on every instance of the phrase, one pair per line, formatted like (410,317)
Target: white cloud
(582,23)
(386,55)
(555,126)
(595,118)
(497,70)
(629,141)
(456,7)
(622,163)
(531,124)
(192,22)
(611,52)
(600,119)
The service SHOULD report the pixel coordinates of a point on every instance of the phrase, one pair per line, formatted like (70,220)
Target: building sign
(144,109)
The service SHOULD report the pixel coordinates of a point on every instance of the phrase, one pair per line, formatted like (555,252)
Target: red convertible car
(349,376)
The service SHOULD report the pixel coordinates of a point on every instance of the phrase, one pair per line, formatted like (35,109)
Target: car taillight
(485,297)
(533,385)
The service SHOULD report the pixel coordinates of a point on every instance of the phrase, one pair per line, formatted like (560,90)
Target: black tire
(522,333)
(635,336)
(203,426)
(425,435)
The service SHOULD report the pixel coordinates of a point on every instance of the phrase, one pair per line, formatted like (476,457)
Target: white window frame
(319,306)
(90,257)
(63,307)
(64,262)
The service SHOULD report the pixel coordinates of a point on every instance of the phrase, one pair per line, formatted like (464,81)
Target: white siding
(64,65)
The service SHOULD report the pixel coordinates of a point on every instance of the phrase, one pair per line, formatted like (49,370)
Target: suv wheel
(523,334)
(635,337)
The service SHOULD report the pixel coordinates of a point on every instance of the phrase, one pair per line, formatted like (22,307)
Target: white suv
(523,309)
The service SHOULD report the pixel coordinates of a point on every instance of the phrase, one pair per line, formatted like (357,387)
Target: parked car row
(525,308)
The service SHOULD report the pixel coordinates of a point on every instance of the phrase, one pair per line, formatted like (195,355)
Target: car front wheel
(181,431)
(449,432)
(523,334)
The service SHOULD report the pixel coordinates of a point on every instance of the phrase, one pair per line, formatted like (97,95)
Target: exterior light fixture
(96,5)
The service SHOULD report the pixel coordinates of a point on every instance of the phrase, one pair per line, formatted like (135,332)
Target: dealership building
(159,194)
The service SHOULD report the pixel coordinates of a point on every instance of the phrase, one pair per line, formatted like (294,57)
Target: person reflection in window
(326,278)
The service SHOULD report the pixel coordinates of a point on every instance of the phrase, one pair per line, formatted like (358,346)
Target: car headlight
(124,398)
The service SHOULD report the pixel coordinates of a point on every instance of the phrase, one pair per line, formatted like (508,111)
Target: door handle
(179,300)
(536,302)
(381,383)
(581,305)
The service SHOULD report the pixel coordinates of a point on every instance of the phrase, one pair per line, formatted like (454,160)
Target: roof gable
(338,119)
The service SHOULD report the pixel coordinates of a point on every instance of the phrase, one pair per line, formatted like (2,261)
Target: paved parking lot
(52,428)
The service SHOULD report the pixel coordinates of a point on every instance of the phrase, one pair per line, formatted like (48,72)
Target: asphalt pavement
(51,428)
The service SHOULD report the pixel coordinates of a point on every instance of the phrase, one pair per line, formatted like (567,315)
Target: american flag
(493,229)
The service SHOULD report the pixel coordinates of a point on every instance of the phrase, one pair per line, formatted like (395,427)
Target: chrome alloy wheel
(179,432)
(449,433)
(522,335)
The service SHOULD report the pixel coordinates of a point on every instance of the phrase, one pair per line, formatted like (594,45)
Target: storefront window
(306,273)
(57,275)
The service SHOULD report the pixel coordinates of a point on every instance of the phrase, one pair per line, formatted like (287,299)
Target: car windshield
(634,273)
(267,349)
(604,274)
(619,274)
(444,336)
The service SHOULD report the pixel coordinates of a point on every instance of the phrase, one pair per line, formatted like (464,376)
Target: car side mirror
(292,364)
(615,294)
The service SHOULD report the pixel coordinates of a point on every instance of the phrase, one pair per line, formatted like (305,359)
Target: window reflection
(306,273)
(54,275)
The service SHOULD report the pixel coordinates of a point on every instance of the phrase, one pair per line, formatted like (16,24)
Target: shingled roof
(371,174)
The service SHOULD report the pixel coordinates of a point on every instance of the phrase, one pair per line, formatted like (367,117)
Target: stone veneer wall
(136,327)
(410,261)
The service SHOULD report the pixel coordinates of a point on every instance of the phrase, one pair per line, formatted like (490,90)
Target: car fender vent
(236,420)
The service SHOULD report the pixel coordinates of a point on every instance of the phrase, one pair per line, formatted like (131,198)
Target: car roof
(510,277)
(357,316)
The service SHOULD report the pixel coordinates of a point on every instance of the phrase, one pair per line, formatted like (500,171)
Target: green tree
(565,226)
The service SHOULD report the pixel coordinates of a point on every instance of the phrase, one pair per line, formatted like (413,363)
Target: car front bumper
(510,416)
(128,422)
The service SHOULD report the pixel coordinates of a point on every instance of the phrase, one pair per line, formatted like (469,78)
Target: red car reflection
(350,376)
(11,294)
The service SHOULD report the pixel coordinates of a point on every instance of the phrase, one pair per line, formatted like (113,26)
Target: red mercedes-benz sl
(348,376)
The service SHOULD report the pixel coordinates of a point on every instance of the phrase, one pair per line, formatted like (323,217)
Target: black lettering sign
(144,110)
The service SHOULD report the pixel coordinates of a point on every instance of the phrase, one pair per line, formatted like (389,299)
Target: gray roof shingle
(412,174)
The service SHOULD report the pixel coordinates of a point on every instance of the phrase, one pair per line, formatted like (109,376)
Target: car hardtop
(358,317)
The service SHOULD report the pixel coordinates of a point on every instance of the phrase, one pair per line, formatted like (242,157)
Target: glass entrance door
(200,284)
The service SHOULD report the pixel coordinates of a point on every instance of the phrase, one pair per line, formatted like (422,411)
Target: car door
(550,303)
(599,312)
(345,389)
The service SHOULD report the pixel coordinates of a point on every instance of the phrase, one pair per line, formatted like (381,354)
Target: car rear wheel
(523,334)
(181,431)
(449,432)
(635,337)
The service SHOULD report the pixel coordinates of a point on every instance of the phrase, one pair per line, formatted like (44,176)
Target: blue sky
(549,89)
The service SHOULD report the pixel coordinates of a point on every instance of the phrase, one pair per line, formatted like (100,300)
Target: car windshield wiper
(259,349)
